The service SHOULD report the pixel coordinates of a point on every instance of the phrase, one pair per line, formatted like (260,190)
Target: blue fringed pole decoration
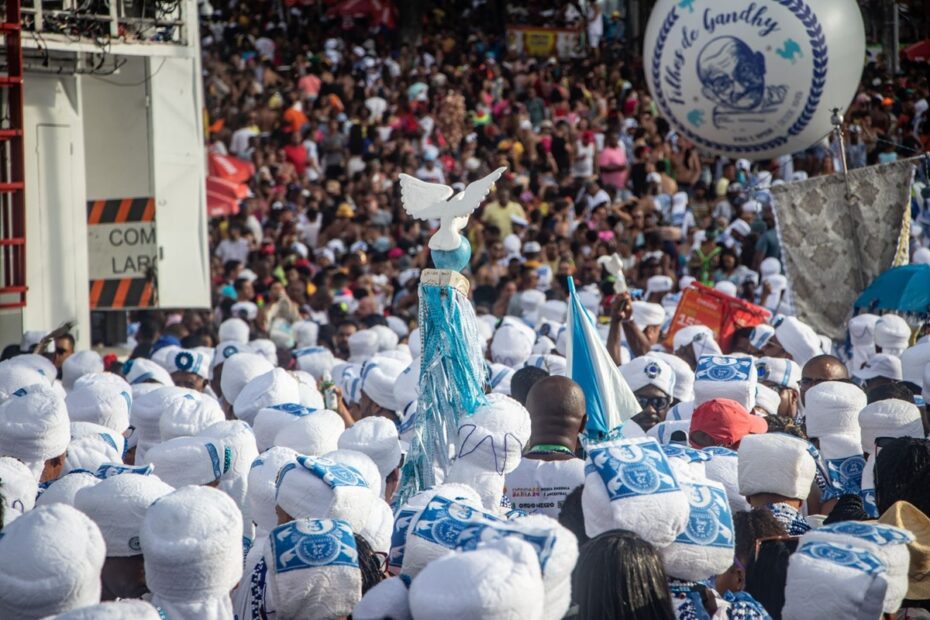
(451,371)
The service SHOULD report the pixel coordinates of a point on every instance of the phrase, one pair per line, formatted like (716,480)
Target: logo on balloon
(753,79)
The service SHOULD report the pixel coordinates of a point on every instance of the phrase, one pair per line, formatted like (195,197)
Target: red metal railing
(12,166)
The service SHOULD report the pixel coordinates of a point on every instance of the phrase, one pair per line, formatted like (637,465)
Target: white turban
(769,266)
(725,376)
(781,372)
(892,334)
(305,333)
(862,330)
(775,463)
(118,505)
(630,485)
(378,377)
(407,385)
(760,335)
(51,557)
(39,363)
(271,419)
(889,418)
(363,344)
(413,342)
(15,376)
(34,427)
(236,437)
(499,379)
(387,338)
(555,365)
(320,488)
(89,453)
(313,569)
(512,344)
(192,544)
(188,461)
(648,370)
(913,362)
(723,467)
(64,490)
(768,399)
(361,463)
(886,542)
(310,395)
(265,348)
(19,489)
(658,284)
(881,365)
(239,370)
(272,388)
(318,361)
(314,434)
(226,350)
(647,314)
(125,609)
(107,435)
(497,581)
(261,487)
(188,413)
(684,376)
(705,548)
(102,402)
(141,370)
(234,330)
(146,414)
(834,580)
(727,288)
(377,438)
(78,364)
(388,599)
(798,340)
(832,408)
(701,339)
(489,446)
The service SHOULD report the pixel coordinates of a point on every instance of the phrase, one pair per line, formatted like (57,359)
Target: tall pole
(891,34)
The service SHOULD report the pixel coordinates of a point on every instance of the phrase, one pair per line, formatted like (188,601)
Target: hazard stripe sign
(122,253)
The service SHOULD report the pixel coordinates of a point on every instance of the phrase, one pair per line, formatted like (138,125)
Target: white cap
(78,364)
(726,287)
(244,310)
(798,339)
(261,485)
(701,339)
(272,388)
(235,330)
(188,461)
(684,376)
(862,330)
(913,362)
(117,505)
(892,334)
(188,360)
(881,365)
(51,557)
(305,333)
(34,427)
(320,488)
(64,489)
(266,348)
(775,463)
(270,420)
(314,434)
(124,609)
(14,376)
(658,284)
(225,350)
(103,402)
(768,399)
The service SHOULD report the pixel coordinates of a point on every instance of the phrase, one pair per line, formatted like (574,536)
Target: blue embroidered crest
(214,459)
(399,537)
(332,473)
(710,523)
(631,469)
(723,368)
(685,453)
(108,440)
(846,474)
(108,470)
(295,409)
(312,543)
(652,370)
(844,555)
(875,533)
(720,451)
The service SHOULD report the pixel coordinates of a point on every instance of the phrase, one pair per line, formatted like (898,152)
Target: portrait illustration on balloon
(753,80)
(733,76)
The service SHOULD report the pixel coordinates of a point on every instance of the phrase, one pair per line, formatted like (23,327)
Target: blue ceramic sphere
(456,260)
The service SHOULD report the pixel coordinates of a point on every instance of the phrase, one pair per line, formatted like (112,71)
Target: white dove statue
(429,201)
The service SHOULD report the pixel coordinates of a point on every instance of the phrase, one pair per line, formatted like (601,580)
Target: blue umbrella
(905,289)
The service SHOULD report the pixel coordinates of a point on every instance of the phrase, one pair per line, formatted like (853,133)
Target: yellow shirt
(497,215)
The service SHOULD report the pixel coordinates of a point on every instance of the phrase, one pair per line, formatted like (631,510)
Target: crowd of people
(248,461)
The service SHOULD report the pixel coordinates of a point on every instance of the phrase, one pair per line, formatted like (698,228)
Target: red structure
(12,166)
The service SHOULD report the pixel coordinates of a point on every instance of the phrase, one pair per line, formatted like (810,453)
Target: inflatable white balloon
(757,79)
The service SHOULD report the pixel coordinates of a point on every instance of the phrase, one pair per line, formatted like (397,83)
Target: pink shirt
(613,157)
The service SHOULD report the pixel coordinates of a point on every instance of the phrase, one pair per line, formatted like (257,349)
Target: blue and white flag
(610,401)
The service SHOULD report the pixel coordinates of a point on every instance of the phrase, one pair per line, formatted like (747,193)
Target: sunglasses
(789,542)
(659,403)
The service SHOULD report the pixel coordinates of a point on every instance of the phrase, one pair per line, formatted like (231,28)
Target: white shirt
(540,487)
(239,143)
(431,176)
(229,250)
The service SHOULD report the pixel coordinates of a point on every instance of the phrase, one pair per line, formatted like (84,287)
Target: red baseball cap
(726,422)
